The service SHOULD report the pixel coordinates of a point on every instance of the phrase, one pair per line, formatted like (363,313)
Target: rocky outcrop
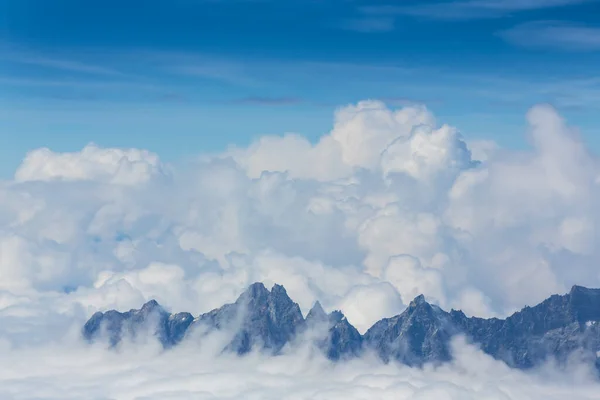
(559,328)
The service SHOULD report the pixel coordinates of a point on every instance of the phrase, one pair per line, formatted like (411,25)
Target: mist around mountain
(562,329)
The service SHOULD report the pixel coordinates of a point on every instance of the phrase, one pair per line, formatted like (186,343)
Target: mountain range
(561,328)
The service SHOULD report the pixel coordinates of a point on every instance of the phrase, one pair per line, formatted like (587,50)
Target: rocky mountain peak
(316,313)
(269,320)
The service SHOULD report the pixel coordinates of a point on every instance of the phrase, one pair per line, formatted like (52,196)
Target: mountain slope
(556,328)
(151,318)
(559,328)
(263,318)
(419,335)
(333,333)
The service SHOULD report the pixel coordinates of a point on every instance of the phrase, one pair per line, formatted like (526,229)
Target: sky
(357,153)
(188,76)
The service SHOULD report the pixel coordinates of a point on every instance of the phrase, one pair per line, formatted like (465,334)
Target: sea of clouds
(388,205)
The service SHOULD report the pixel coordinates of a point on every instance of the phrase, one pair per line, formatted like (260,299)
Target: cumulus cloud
(366,304)
(388,205)
(360,134)
(118,166)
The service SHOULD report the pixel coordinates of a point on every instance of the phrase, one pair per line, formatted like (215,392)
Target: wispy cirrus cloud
(203,66)
(226,72)
(91,89)
(470,9)
(269,101)
(60,64)
(17,81)
(558,35)
(181,77)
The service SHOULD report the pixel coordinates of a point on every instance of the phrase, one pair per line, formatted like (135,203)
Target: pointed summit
(336,316)
(334,335)
(151,318)
(576,288)
(584,304)
(150,306)
(419,335)
(261,318)
(256,293)
(418,304)
(583,291)
(316,313)
(269,320)
(278,290)
(279,298)
(344,340)
(420,299)
(256,290)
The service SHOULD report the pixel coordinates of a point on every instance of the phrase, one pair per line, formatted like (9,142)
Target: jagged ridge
(558,328)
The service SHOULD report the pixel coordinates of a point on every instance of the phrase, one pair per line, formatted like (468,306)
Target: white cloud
(364,131)
(118,166)
(384,183)
(142,373)
(360,134)
(366,304)
(411,279)
(386,206)
(427,153)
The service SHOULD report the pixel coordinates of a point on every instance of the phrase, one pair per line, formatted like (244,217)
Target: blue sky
(182,77)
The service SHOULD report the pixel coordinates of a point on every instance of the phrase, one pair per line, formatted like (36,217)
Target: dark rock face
(421,334)
(268,320)
(177,326)
(559,328)
(344,340)
(316,314)
(339,339)
(168,328)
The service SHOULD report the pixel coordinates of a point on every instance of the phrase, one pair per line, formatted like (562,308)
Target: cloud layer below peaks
(388,205)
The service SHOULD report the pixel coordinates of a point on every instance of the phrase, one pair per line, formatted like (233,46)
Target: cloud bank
(143,373)
(388,205)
